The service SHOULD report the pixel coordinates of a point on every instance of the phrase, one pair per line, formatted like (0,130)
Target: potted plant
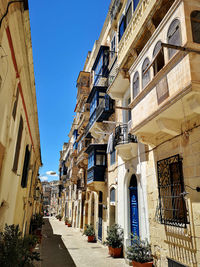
(36,225)
(69,223)
(59,217)
(89,232)
(140,253)
(30,241)
(15,250)
(66,220)
(114,240)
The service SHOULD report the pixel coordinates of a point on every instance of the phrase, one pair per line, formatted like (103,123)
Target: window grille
(195,23)
(174,36)
(172,208)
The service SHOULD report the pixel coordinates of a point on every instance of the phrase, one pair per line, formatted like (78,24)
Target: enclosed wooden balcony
(165,83)
(97,164)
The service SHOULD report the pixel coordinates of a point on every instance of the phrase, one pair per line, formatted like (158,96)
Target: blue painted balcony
(97,164)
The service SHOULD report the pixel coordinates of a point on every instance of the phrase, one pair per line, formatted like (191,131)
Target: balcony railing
(122,136)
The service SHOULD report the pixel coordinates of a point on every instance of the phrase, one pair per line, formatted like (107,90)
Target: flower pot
(110,250)
(69,224)
(116,252)
(91,238)
(145,264)
(65,223)
(59,219)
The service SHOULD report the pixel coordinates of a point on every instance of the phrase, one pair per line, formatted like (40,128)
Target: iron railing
(122,136)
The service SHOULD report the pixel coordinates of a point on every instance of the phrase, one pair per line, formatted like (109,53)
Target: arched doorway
(134,218)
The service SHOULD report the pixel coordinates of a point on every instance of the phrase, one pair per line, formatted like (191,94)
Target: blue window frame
(122,27)
(135,4)
(91,160)
(98,70)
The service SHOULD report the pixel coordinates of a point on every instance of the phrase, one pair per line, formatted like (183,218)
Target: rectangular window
(172,206)
(15,104)
(113,46)
(113,157)
(18,146)
(128,14)
(122,27)
(100,160)
(25,168)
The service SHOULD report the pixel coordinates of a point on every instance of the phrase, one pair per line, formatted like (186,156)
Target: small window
(174,36)
(100,196)
(129,111)
(128,14)
(15,104)
(135,84)
(145,73)
(171,187)
(113,46)
(158,56)
(18,145)
(135,4)
(112,195)
(113,157)
(122,27)
(100,160)
(25,168)
(195,22)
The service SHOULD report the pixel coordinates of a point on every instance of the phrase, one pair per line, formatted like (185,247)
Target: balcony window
(128,12)
(100,158)
(122,27)
(25,168)
(112,195)
(91,160)
(135,4)
(195,23)
(135,84)
(174,36)
(113,157)
(113,46)
(93,104)
(158,55)
(172,206)
(145,72)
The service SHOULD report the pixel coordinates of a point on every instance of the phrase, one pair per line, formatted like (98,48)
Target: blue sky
(62,34)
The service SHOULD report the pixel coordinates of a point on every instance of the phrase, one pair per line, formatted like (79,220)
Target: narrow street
(64,246)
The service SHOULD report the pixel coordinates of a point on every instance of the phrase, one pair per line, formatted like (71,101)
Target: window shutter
(195,23)
(145,75)
(18,145)
(135,84)
(25,168)
(174,36)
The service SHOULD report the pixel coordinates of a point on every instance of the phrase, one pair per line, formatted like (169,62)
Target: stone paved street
(83,253)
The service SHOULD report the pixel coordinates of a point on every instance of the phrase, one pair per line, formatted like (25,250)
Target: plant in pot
(89,232)
(66,220)
(15,250)
(59,217)
(69,223)
(36,225)
(140,253)
(114,240)
(30,241)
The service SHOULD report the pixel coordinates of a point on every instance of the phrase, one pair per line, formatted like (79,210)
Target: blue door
(134,211)
(100,215)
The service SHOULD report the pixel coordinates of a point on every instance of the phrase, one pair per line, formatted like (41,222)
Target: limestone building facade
(20,156)
(141,167)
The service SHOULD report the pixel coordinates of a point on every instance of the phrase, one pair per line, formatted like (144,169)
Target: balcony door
(100,216)
(134,220)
